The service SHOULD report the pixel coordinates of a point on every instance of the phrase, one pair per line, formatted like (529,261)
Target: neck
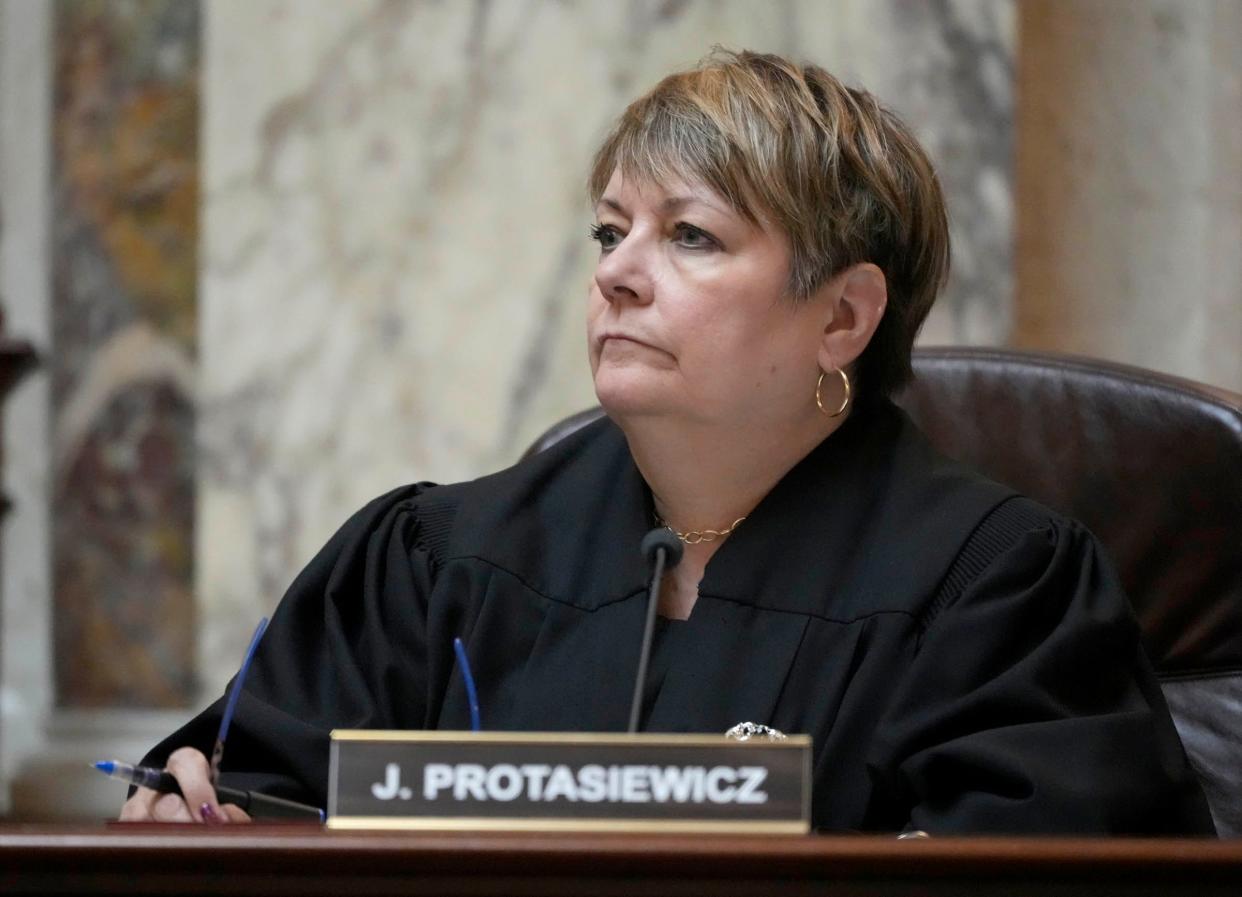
(705,476)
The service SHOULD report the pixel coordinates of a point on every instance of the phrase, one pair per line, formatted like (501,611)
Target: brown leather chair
(1152,464)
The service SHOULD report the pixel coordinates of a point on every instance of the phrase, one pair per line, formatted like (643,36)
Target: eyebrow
(671,204)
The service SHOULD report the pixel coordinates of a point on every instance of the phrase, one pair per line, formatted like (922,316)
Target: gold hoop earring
(845,385)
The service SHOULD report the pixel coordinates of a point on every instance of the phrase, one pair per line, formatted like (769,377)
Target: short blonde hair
(842,176)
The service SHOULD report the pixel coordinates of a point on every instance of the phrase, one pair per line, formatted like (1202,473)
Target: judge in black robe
(963,658)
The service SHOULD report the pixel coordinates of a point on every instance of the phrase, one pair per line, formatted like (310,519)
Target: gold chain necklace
(695,536)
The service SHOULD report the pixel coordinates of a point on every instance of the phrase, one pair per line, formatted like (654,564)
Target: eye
(693,237)
(605,235)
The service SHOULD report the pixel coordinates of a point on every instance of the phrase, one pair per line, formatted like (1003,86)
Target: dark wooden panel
(285,860)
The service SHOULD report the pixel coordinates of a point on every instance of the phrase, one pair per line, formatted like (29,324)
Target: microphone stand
(665,549)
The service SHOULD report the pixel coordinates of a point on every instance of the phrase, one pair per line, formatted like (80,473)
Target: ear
(855,301)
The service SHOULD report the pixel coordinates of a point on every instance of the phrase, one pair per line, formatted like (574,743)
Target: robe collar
(869,521)
(870,509)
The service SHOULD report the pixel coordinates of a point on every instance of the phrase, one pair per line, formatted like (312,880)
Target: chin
(628,394)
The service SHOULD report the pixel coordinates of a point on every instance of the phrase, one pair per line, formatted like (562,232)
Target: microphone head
(662,537)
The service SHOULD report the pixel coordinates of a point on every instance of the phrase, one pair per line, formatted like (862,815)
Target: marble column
(1129,183)
(124,268)
(97,268)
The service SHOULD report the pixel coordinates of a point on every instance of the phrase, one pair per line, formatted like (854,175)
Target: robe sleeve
(1030,706)
(346,648)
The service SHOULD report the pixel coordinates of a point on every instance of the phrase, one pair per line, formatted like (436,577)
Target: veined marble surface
(395,257)
(123,264)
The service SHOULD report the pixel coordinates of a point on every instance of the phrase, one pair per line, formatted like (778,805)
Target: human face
(688,314)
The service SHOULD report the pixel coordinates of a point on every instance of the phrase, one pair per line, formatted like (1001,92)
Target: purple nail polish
(209,814)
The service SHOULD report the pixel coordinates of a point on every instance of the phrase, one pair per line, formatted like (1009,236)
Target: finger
(189,767)
(139,807)
(235,813)
(171,808)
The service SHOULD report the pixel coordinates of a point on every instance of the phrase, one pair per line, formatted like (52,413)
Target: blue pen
(260,806)
(230,706)
(472,696)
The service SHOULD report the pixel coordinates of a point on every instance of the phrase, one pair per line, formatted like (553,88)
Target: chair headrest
(1152,464)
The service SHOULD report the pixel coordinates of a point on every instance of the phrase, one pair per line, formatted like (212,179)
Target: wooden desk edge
(301,861)
(117,844)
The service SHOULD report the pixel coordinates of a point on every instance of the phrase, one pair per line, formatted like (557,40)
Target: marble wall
(395,254)
(1129,184)
(124,263)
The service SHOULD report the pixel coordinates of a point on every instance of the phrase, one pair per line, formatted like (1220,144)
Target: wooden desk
(284,860)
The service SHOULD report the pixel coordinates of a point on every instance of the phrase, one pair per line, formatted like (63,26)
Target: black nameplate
(568,781)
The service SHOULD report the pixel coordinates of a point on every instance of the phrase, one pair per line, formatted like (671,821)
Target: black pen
(258,805)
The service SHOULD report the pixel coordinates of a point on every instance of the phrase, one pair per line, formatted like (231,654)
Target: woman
(770,243)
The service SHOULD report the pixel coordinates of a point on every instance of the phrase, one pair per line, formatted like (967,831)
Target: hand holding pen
(197,801)
(188,788)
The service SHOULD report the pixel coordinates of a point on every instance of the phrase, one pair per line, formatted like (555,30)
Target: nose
(623,274)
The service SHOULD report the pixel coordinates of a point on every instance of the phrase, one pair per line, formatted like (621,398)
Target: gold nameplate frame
(567,781)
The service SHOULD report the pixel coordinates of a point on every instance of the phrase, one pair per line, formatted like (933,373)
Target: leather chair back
(1152,464)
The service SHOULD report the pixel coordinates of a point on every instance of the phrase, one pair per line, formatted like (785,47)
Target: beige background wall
(1129,183)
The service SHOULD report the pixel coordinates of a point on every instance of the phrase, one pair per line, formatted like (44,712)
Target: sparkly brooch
(747,731)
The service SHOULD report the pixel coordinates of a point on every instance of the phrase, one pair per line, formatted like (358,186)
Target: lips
(625,337)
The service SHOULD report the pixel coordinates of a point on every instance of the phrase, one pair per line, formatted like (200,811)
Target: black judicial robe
(964,659)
